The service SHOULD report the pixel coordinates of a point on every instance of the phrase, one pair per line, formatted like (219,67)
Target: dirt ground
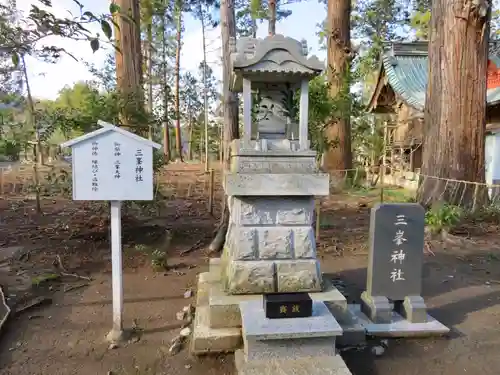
(461,287)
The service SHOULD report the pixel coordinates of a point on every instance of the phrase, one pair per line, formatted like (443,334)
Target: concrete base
(257,327)
(413,309)
(289,348)
(317,365)
(377,308)
(354,332)
(225,309)
(116,336)
(212,340)
(278,184)
(217,325)
(399,326)
(206,339)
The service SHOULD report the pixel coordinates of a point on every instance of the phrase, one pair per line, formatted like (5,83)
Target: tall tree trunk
(166,88)
(149,64)
(38,144)
(190,145)
(205,89)
(178,38)
(338,155)
(129,59)
(455,107)
(272,17)
(230,100)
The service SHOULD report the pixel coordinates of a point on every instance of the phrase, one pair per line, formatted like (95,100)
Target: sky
(47,80)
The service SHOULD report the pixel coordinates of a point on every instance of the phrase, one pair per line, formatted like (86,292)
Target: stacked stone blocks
(272,245)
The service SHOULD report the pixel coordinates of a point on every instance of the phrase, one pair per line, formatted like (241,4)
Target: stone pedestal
(270,245)
(218,320)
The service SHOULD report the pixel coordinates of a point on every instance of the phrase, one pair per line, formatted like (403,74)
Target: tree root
(63,272)
(218,242)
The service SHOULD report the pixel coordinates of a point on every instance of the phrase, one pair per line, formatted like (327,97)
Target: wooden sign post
(112,164)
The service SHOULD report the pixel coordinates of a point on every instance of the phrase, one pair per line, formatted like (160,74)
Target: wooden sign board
(112,164)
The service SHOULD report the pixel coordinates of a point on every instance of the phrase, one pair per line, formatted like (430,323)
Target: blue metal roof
(406,69)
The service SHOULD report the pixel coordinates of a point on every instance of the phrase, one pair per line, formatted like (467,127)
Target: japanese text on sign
(398,255)
(95,166)
(117,154)
(138,165)
(284,309)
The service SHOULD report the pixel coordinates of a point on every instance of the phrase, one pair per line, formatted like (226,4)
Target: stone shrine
(266,299)
(270,245)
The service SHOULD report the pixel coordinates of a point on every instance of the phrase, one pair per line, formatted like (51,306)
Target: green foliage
(26,36)
(321,109)
(373,23)
(159,260)
(57,182)
(443,218)
(420,23)
(489,213)
(9,149)
(249,13)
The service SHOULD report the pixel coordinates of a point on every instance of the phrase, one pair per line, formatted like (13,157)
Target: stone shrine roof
(273,59)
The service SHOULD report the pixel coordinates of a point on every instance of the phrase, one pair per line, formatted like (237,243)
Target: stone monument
(274,178)
(392,303)
(270,246)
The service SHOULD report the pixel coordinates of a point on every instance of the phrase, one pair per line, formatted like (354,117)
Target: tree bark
(272,17)
(166,91)
(230,108)
(338,156)
(455,107)
(190,145)
(38,144)
(178,38)
(129,59)
(149,62)
(205,89)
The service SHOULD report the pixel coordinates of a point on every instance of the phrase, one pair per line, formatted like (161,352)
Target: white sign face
(112,167)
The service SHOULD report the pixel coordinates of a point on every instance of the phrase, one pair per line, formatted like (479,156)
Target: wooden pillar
(304,113)
(247,110)
(401,161)
(392,160)
(412,159)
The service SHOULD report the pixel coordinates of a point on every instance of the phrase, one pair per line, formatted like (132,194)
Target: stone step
(288,349)
(257,327)
(399,326)
(212,340)
(330,365)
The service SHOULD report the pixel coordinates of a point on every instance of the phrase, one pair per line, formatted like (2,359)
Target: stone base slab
(399,326)
(206,339)
(377,308)
(257,327)
(331,365)
(414,309)
(275,164)
(225,309)
(354,332)
(212,340)
(289,349)
(278,184)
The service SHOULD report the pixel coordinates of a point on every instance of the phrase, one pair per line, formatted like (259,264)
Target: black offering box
(287,305)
